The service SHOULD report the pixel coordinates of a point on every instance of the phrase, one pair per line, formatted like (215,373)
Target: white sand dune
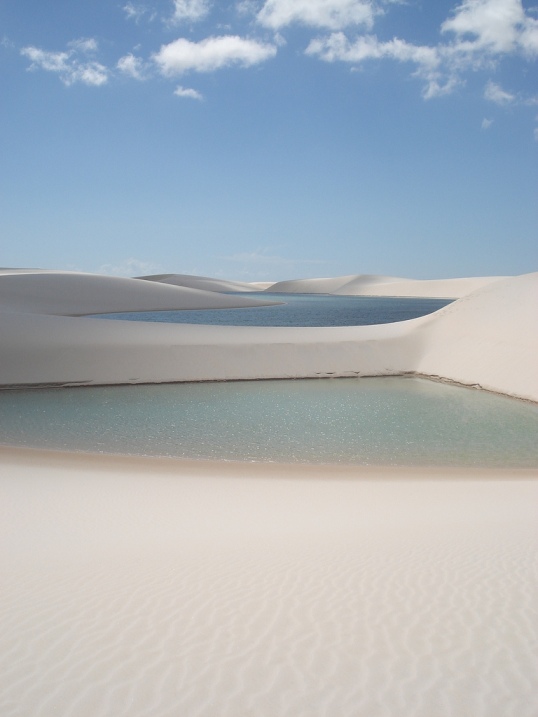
(138,588)
(75,293)
(376,285)
(203,282)
(487,338)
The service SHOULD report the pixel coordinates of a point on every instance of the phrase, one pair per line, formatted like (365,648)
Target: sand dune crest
(75,294)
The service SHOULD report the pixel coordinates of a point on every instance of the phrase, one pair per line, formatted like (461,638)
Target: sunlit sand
(138,586)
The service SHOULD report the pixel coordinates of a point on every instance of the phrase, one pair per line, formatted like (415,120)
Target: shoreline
(403,375)
(133,463)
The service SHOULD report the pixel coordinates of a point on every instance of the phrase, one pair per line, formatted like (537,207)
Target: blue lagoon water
(301,310)
(366,421)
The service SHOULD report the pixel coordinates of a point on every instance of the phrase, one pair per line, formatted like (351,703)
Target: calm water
(301,310)
(385,421)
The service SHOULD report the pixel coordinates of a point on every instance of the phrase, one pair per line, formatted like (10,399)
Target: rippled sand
(147,587)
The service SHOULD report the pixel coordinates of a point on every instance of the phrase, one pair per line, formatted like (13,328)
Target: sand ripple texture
(390,600)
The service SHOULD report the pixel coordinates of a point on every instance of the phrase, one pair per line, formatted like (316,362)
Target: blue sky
(270,139)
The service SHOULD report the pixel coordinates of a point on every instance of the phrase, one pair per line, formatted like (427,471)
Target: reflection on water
(390,421)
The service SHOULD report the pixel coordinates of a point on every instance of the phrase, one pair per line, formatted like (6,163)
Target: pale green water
(384,421)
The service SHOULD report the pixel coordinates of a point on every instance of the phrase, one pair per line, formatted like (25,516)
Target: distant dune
(202,282)
(374,285)
(75,294)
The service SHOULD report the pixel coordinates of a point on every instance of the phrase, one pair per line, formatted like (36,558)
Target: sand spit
(375,285)
(137,588)
(488,338)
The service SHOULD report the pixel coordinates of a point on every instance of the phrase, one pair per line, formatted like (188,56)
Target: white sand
(487,338)
(154,588)
(150,588)
(74,293)
(375,285)
(205,282)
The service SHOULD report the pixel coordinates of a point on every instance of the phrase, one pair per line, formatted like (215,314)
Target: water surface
(366,421)
(300,310)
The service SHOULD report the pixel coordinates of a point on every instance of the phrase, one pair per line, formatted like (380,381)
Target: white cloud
(86,45)
(331,14)
(50,61)
(188,92)
(70,67)
(136,12)
(493,24)
(246,7)
(6,43)
(536,134)
(190,10)
(211,54)
(91,73)
(494,93)
(132,66)
(483,32)
(486,123)
(528,38)
(368,47)
(130,267)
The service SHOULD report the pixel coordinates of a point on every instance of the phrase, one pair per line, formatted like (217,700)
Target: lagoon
(300,310)
(364,421)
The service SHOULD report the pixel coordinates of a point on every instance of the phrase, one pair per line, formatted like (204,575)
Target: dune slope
(75,293)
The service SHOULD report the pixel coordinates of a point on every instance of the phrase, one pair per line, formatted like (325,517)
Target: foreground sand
(155,587)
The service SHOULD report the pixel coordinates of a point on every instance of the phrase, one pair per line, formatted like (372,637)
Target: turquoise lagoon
(364,421)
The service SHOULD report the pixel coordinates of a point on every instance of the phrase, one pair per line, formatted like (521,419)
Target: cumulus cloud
(190,10)
(495,93)
(486,123)
(71,65)
(330,14)
(188,92)
(211,54)
(132,66)
(494,25)
(482,32)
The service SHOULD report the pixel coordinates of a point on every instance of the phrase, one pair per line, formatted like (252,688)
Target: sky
(269,139)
